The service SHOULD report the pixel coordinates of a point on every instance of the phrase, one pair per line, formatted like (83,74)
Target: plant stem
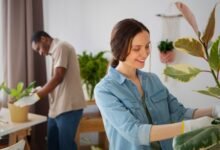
(206,71)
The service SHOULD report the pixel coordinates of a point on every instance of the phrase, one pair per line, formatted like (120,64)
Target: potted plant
(166,51)
(92,69)
(18,114)
(208,51)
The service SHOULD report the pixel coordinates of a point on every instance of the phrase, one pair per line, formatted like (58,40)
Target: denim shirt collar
(120,78)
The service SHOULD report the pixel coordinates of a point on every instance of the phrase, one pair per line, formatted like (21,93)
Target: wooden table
(18,131)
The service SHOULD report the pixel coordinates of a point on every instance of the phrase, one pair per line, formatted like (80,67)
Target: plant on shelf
(166,51)
(18,114)
(92,69)
(201,47)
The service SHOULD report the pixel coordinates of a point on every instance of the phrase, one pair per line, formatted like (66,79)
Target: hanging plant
(166,51)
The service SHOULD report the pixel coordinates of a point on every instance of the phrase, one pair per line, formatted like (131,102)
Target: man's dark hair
(37,36)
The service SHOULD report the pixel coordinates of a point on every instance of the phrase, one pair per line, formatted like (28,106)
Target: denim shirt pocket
(136,110)
(160,105)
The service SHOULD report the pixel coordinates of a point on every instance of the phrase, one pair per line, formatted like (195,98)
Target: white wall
(87,24)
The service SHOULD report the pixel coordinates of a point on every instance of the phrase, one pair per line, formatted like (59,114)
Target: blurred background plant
(201,47)
(92,69)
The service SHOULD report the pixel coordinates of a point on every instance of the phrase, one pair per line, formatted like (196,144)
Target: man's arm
(51,85)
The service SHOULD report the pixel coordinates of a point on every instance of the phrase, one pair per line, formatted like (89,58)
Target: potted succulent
(166,51)
(202,47)
(92,69)
(18,114)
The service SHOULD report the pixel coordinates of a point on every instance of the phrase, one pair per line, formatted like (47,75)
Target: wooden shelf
(92,122)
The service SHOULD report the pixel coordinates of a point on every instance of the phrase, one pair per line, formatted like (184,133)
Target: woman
(138,111)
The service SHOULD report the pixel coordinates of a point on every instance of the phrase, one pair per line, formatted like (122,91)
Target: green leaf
(20,86)
(14,93)
(181,72)
(211,91)
(31,85)
(5,88)
(1,85)
(203,138)
(207,93)
(92,69)
(209,31)
(214,58)
(190,46)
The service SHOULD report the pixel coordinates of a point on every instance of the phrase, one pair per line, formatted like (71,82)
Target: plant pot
(18,114)
(167,57)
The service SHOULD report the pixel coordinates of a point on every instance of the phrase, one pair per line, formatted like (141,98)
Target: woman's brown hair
(121,38)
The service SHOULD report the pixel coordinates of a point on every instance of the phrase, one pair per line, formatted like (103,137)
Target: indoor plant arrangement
(202,47)
(18,114)
(166,51)
(92,69)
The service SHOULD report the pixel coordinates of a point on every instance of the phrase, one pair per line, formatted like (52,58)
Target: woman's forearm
(162,132)
(203,112)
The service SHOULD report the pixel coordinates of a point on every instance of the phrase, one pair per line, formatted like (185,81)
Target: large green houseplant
(202,47)
(92,69)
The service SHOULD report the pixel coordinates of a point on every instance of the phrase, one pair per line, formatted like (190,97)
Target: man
(66,99)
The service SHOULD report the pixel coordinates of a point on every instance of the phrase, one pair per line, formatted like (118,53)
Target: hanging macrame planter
(170,30)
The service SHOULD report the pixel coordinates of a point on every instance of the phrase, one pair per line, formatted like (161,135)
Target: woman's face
(140,49)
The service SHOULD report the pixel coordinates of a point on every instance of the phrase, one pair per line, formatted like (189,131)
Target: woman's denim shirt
(126,123)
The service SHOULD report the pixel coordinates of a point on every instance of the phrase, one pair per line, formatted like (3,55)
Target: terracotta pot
(167,57)
(18,114)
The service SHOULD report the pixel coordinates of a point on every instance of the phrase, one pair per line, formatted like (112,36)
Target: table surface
(7,127)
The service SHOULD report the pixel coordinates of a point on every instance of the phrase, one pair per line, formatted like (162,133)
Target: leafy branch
(202,48)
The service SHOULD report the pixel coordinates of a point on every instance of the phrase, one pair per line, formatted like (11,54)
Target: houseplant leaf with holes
(200,47)
(18,114)
(166,51)
(92,69)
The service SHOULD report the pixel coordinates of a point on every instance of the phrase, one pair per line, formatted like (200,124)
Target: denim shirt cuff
(144,134)
(189,113)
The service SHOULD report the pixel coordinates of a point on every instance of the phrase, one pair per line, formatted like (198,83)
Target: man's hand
(35,90)
(190,125)
(27,100)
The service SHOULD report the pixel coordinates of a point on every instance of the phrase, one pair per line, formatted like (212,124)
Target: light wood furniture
(18,131)
(92,122)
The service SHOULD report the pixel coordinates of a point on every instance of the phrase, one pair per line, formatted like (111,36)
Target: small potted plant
(92,69)
(18,114)
(166,51)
